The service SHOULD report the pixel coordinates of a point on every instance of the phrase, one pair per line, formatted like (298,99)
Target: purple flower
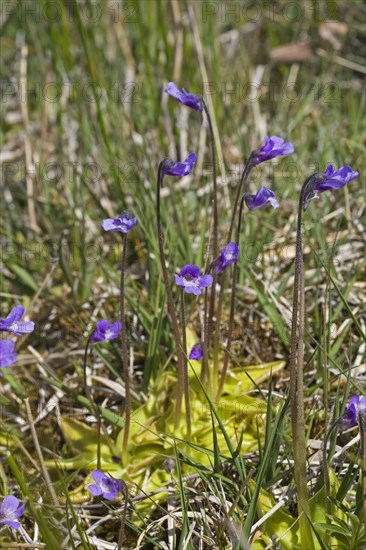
(190,100)
(123,223)
(191,280)
(7,353)
(330,180)
(10,511)
(356,406)
(11,324)
(196,352)
(105,485)
(180,169)
(274,147)
(261,198)
(229,255)
(105,331)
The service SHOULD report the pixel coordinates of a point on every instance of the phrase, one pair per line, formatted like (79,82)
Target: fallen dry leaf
(292,53)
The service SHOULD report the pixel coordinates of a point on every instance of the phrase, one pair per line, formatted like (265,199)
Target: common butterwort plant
(262,198)
(191,282)
(353,416)
(196,352)
(123,224)
(314,185)
(105,486)
(274,146)
(10,511)
(197,103)
(168,167)
(105,331)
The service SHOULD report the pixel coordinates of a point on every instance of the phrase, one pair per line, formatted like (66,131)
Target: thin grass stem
(37,446)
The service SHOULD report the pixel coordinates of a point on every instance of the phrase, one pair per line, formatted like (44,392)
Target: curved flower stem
(121,534)
(243,179)
(126,372)
(232,308)
(297,383)
(215,220)
(186,380)
(171,309)
(91,399)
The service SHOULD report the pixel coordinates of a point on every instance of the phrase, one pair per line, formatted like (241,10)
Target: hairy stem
(186,380)
(121,535)
(171,309)
(297,383)
(126,371)
(325,383)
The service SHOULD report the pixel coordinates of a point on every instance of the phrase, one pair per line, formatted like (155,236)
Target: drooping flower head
(105,485)
(330,180)
(274,147)
(229,255)
(190,100)
(123,223)
(196,353)
(10,511)
(261,198)
(7,354)
(191,280)
(11,322)
(105,331)
(355,407)
(180,169)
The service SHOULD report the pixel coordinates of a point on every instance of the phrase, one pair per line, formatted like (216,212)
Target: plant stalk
(297,383)
(186,380)
(171,309)
(215,220)
(121,534)
(205,374)
(362,426)
(126,372)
